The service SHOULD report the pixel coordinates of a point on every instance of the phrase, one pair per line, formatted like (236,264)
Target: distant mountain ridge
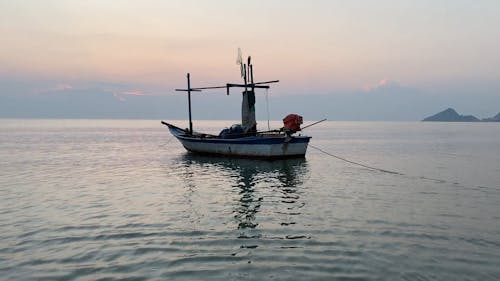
(495,118)
(450,115)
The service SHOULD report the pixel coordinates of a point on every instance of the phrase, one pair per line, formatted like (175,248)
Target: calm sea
(109,200)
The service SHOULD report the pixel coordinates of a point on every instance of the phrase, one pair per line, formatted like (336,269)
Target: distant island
(495,118)
(450,115)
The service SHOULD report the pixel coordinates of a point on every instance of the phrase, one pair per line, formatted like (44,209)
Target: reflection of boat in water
(243,140)
(283,172)
(256,182)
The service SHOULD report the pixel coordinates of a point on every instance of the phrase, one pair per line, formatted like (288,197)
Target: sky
(341,60)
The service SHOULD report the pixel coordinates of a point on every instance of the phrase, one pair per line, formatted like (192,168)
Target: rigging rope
(355,163)
(267,108)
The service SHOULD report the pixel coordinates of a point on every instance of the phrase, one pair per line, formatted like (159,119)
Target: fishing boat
(243,140)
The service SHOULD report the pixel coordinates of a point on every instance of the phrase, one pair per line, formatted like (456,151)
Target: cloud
(135,93)
(382,85)
(61,87)
(120,95)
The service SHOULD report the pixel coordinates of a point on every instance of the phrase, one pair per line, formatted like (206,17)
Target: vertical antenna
(189,104)
(251,70)
(245,76)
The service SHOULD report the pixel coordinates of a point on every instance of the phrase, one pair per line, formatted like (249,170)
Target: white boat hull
(261,146)
(251,150)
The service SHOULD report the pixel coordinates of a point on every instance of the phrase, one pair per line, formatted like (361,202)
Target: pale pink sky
(339,44)
(320,47)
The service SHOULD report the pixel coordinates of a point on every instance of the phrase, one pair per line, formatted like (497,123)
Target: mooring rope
(381,170)
(355,163)
(167,142)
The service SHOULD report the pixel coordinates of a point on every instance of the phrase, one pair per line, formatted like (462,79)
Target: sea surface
(123,200)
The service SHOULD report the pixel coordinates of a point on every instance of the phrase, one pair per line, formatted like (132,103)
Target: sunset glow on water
(92,199)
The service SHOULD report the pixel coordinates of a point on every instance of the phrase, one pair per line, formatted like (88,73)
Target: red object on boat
(292,122)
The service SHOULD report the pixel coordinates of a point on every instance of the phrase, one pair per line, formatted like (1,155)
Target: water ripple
(110,202)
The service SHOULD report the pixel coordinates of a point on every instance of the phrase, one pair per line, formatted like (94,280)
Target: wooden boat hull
(259,146)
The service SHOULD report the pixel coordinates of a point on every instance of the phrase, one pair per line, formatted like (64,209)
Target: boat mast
(250,69)
(246,74)
(248,103)
(189,104)
(189,90)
